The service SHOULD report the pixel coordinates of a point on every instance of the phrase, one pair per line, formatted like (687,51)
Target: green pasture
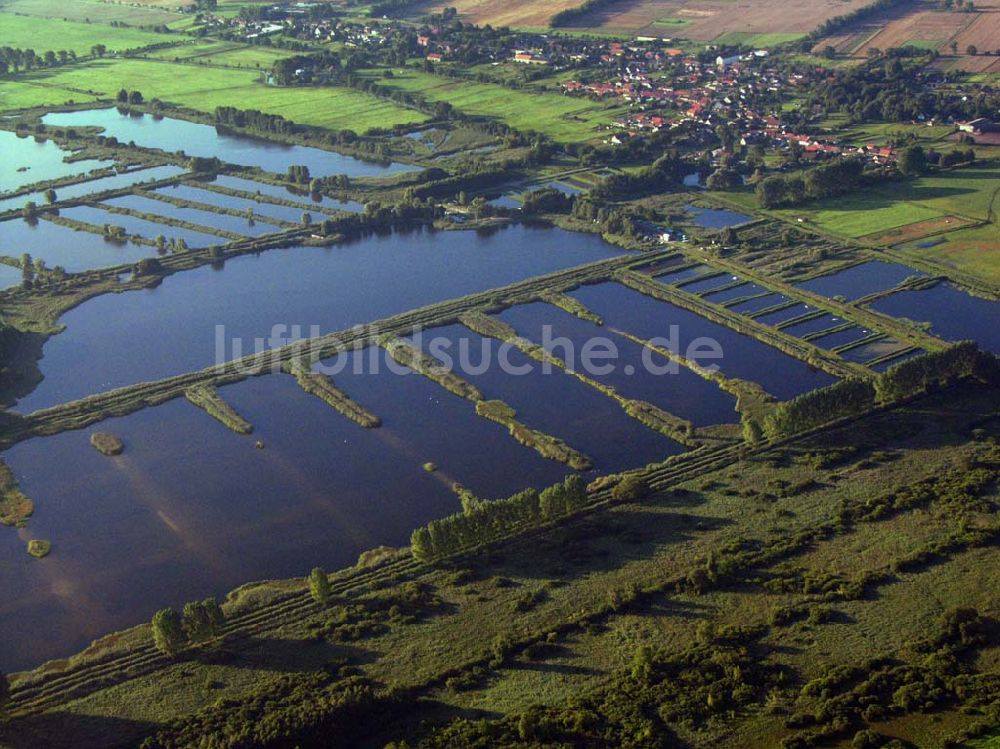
(561,117)
(204,88)
(41,34)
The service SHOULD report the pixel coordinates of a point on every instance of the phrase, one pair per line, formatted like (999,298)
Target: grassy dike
(15,507)
(549,447)
(207,398)
(323,388)
(716,313)
(655,418)
(545,445)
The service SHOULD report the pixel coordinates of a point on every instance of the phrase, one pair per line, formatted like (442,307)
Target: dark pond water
(204,140)
(812,326)
(873,350)
(120,339)
(781,315)
(132,534)
(716,218)
(682,393)
(95,185)
(61,245)
(882,366)
(753,305)
(140,226)
(558,404)
(287,193)
(236,224)
(39,160)
(952,313)
(563,187)
(674,276)
(706,284)
(841,338)
(737,292)
(742,356)
(860,280)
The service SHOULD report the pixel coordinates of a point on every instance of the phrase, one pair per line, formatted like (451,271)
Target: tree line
(199,621)
(484,522)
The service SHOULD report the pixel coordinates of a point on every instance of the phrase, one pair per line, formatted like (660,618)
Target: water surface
(860,280)
(742,356)
(40,160)
(952,313)
(167,133)
(120,339)
(141,226)
(560,405)
(680,392)
(100,184)
(61,245)
(134,533)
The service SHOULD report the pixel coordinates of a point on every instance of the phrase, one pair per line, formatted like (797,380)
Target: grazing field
(204,88)
(710,19)
(42,34)
(563,118)
(96,11)
(966,193)
(229,54)
(918,230)
(516,13)
(974,250)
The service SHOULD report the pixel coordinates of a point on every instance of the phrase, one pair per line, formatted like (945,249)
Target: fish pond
(167,133)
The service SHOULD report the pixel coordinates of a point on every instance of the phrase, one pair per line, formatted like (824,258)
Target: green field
(975,250)
(41,34)
(563,118)
(222,53)
(204,88)
(95,11)
(962,192)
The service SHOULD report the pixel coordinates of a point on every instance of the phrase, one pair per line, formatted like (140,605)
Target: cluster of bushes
(332,708)
(958,156)
(547,200)
(299,174)
(844,700)
(377,217)
(833,178)
(200,621)
(491,521)
(129,97)
(253,119)
(666,171)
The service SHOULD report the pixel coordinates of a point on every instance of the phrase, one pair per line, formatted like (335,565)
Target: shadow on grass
(283,655)
(59,729)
